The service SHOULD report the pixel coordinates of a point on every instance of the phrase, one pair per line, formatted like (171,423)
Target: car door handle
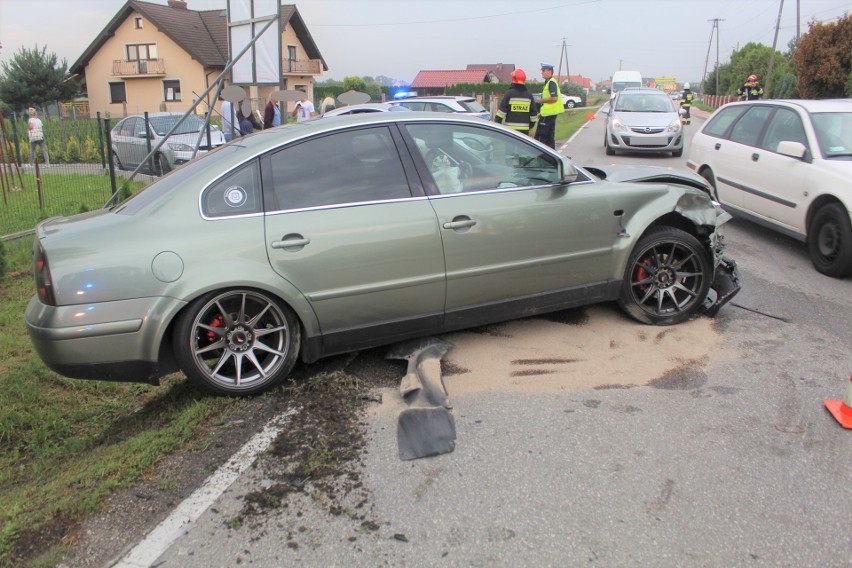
(755,157)
(463,223)
(717,146)
(291,243)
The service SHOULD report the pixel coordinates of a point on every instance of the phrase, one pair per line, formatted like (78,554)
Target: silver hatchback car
(643,120)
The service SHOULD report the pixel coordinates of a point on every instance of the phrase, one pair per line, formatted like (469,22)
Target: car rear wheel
(830,241)
(237,342)
(570,104)
(667,278)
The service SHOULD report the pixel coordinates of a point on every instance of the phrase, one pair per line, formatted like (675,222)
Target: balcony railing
(302,66)
(140,68)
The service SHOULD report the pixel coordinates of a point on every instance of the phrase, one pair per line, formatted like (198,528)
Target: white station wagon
(786,164)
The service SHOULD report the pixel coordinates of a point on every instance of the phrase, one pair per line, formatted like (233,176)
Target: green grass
(65,444)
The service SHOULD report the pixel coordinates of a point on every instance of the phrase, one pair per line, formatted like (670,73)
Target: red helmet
(752,77)
(518,76)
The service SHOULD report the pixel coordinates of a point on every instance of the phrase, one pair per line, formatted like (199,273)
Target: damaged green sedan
(345,233)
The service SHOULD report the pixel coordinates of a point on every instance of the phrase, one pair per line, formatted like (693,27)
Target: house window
(137,23)
(117,93)
(171,90)
(141,51)
(291,58)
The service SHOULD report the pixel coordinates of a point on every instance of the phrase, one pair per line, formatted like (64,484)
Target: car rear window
(472,106)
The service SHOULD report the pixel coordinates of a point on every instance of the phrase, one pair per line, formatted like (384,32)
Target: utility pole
(772,54)
(715,28)
(563,54)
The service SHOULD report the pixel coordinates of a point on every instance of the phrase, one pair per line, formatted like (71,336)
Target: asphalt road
(706,444)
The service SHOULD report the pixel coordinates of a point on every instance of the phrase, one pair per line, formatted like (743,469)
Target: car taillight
(44,284)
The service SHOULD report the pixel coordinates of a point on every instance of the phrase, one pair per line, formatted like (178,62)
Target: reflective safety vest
(548,109)
(686,100)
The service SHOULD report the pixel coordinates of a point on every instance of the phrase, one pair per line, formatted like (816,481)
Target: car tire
(667,277)
(830,241)
(116,162)
(570,104)
(163,166)
(677,153)
(237,342)
(609,151)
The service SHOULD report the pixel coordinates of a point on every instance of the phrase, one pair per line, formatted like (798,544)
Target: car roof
(437,98)
(810,105)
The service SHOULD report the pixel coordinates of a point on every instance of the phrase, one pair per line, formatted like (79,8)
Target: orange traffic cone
(590,116)
(842,409)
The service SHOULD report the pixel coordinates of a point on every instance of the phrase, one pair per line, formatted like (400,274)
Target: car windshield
(644,103)
(834,132)
(162,124)
(472,106)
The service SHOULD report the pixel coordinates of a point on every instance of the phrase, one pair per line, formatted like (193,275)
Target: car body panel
(776,189)
(355,272)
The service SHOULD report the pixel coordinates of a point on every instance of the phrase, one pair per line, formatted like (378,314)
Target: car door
(734,159)
(343,226)
(123,142)
(511,230)
(776,183)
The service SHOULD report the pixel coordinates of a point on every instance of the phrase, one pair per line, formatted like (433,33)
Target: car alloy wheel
(830,241)
(238,342)
(667,278)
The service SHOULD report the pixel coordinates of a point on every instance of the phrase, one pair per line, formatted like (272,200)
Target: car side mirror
(793,149)
(605,110)
(569,171)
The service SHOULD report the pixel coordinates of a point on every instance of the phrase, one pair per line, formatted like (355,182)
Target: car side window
(351,166)
(238,193)
(722,120)
(785,125)
(463,158)
(127,127)
(748,128)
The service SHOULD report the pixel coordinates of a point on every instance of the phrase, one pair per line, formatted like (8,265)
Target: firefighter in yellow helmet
(551,106)
(518,109)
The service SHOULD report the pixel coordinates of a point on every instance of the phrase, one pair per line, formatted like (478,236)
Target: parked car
(786,164)
(364,108)
(643,120)
(459,105)
(260,253)
(132,141)
(568,101)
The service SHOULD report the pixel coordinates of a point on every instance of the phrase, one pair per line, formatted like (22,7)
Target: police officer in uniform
(551,106)
(686,103)
(518,109)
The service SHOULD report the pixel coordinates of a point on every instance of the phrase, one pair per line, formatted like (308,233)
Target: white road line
(181,520)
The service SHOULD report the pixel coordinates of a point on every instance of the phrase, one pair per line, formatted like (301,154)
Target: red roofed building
(434,82)
(503,71)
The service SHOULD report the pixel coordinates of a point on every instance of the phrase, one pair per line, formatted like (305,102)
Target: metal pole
(772,54)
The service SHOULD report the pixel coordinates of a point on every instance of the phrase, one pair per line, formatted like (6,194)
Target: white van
(623,79)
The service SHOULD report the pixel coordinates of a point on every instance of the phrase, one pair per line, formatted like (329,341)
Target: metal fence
(78,178)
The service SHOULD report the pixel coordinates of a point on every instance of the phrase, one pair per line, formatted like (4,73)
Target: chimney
(181,4)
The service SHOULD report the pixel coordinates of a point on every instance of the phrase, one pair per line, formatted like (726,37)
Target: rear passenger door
(737,156)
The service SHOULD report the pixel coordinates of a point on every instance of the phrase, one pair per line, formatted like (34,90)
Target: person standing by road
(751,89)
(686,103)
(518,109)
(551,106)
(271,114)
(35,132)
(304,110)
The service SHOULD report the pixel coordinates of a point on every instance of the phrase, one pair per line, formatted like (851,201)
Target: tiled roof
(502,70)
(445,78)
(202,34)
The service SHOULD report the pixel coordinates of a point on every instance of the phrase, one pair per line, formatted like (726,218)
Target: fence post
(108,136)
(101,142)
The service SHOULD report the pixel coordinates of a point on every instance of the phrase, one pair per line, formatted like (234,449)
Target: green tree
(824,60)
(354,84)
(33,77)
(573,89)
(753,58)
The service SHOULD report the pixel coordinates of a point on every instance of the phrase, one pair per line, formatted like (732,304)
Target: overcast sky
(397,38)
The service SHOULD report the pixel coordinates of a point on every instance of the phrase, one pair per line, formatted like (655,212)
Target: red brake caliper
(218,321)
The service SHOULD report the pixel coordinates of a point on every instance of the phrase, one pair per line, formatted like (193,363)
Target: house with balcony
(152,57)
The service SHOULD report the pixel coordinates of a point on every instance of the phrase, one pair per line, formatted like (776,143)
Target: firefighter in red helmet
(518,109)
(751,89)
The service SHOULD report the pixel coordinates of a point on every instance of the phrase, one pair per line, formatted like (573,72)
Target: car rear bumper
(115,341)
